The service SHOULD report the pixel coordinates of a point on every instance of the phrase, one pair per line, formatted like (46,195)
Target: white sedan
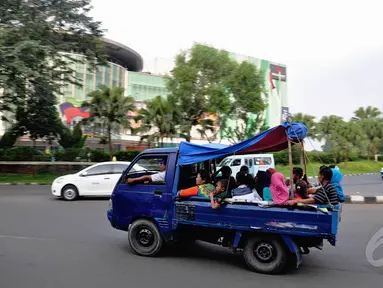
(96,180)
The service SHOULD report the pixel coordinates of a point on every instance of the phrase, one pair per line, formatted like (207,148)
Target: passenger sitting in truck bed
(262,185)
(226,174)
(203,188)
(244,191)
(326,194)
(245,169)
(217,197)
(301,191)
(278,189)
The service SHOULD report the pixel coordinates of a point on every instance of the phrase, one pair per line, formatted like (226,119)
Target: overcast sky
(333,49)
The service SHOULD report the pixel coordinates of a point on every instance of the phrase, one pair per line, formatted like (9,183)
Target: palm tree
(366,113)
(368,119)
(309,122)
(327,125)
(159,120)
(109,109)
(373,129)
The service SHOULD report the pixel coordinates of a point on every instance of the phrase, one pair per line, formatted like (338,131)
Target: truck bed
(299,221)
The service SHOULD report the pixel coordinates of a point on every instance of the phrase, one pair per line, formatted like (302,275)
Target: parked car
(381,173)
(96,180)
(254,162)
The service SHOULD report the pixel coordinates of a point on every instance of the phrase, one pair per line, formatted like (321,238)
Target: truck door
(150,199)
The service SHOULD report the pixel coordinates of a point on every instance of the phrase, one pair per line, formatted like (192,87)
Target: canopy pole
(291,168)
(304,157)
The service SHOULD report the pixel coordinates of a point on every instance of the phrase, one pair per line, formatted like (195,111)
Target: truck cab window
(148,170)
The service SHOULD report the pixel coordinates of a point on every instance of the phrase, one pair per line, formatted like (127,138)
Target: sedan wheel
(70,193)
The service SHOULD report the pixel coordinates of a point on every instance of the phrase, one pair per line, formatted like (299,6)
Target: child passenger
(217,197)
(300,191)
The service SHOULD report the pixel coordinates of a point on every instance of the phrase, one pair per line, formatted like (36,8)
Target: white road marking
(25,238)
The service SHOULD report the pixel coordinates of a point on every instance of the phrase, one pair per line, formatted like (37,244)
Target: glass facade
(143,86)
(111,75)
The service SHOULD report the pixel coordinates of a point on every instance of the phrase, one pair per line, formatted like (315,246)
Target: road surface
(364,185)
(46,242)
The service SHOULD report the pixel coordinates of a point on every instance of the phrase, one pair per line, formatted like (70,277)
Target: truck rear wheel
(265,254)
(145,238)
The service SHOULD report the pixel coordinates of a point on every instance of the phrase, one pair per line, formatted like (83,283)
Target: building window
(99,74)
(107,76)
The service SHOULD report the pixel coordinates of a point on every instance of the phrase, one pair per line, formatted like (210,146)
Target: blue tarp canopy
(272,140)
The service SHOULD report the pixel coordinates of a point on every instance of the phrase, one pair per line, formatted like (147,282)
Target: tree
(309,122)
(158,120)
(198,85)
(72,138)
(327,125)
(344,138)
(34,38)
(372,126)
(8,139)
(366,113)
(246,85)
(109,108)
(38,116)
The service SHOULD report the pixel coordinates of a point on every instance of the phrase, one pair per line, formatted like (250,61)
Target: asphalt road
(46,242)
(364,185)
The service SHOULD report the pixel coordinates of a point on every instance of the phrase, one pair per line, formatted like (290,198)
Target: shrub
(8,139)
(126,155)
(281,158)
(99,156)
(23,154)
(69,154)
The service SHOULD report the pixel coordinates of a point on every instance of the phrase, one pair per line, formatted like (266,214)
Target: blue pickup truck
(272,238)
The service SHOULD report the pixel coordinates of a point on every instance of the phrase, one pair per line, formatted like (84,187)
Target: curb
(359,199)
(25,184)
(362,174)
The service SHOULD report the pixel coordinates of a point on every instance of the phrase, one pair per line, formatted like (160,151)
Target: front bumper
(56,189)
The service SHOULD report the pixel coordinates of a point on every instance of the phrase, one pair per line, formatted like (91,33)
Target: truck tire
(145,238)
(265,254)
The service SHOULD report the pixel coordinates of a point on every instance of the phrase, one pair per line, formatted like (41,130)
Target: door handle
(107,178)
(158,192)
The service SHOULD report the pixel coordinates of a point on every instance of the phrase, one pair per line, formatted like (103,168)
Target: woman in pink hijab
(278,189)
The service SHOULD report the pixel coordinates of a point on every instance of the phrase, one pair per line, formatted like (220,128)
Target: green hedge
(126,155)
(75,154)
(67,155)
(23,154)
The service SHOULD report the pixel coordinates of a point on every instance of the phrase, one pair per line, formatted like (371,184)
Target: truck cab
(272,238)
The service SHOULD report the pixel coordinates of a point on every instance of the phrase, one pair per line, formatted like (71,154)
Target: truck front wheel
(145,238)
(265,254)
